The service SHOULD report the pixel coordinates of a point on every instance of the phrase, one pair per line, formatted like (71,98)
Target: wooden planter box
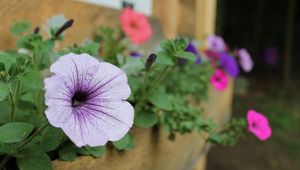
(153,150)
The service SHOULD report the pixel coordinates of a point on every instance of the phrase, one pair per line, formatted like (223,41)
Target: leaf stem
(158,79)
(4,161)
(26,141)
(13,103)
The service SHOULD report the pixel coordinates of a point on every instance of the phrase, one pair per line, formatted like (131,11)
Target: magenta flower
(219,80)
(215,43)
(245,60)
(87,99)
(258,124)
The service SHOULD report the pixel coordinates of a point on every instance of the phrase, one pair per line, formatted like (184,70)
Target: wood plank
(87,17)
(206,17)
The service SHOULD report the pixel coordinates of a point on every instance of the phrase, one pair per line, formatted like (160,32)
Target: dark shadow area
(262,27)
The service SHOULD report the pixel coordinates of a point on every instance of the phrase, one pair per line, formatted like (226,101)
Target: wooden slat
(87,17)
(168,13)
(206,17)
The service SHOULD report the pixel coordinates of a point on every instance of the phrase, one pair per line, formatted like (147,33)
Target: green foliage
(230,134)
(145,119)
(161,99)
(90,48)
(183,119)
(3,91)
(18,28)
(132,65)
(190,80)
(14,132)
(33,158)
(125,143)
(95,151)
(67,153)
(110,44)
(7,61)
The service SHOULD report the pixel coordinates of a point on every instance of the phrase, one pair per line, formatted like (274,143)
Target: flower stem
(4,161)
(13,103)
(32,136)
(158,79)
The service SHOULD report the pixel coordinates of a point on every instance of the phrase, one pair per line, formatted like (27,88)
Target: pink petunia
(219,80)
(136,26)
(258,124)
(245,60)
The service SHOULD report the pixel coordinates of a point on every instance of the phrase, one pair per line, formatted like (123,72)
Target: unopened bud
(150,60)
(67,25)
(36,30)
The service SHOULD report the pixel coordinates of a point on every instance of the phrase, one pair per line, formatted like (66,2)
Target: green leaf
(3,91)
(18,28)
(186,55)
(51,139)
(161,99)
(134,83)
(145,119)
(95,151)
(5,149)
(164,59)
(7,60)
(33,158)
(28,97)
(4,110)
(92,48)
(125,143)
(67,153)
(133,65)
(31,81)
(14,132)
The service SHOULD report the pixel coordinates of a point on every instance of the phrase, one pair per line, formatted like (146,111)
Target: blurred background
(269,29)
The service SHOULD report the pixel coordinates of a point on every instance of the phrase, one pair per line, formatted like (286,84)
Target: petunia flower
(135,54)
(219,80)
(87,100)
(213,56)
(229,64)
(215,43)
(136,26)
(258,124)
(191,48)
(245,60)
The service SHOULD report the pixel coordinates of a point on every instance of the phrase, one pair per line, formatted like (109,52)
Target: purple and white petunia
(215,43)
(87,100)
(245,60)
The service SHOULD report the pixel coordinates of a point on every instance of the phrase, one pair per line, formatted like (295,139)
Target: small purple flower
(215,43)
(135,54)
(245,60)
(229,64)
(87,99)
(191,48)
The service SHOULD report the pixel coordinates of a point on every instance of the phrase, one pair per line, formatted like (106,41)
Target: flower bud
(67,25)
(36,30)
(150,60)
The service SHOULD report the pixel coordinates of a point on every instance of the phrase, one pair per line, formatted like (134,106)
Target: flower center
(133,25)
(78,98)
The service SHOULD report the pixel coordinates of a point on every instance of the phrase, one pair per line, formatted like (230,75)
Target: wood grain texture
(87,17)
(191,18)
